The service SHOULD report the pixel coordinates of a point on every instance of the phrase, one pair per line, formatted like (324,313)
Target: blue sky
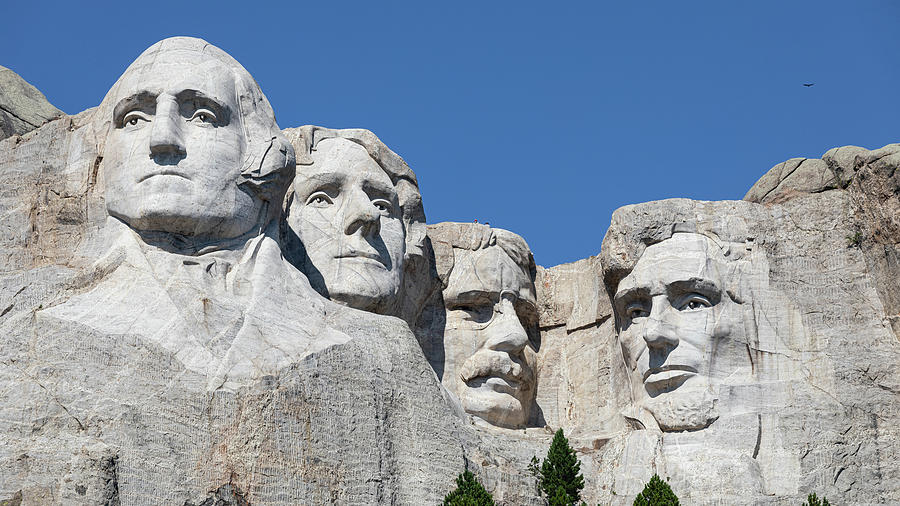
(540,118)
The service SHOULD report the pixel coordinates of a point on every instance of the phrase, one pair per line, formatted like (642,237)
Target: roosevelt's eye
(203,116)
(382,205)
(636,310)
(694,301)
(319,199)
(475,312)
(132,118)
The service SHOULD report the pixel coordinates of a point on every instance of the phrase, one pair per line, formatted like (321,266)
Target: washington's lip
(163,173)
(667,372)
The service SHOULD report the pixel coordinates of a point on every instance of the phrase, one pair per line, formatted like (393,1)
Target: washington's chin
(497,402)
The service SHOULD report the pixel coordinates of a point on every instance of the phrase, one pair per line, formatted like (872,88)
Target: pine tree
(468,492)
(656,493)
(812,500)
(559,476)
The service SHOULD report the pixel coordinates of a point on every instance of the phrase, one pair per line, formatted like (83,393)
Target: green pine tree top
(468,492)
(656,493)
(561,471)
(812,500)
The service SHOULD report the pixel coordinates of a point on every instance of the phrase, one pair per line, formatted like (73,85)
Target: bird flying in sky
(808,84)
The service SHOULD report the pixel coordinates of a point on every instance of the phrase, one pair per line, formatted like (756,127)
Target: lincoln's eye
(694,301)
(634,311)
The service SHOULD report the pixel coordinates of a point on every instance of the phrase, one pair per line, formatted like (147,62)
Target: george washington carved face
(186,123)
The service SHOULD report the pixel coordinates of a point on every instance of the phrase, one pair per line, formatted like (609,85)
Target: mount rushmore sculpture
(200,306)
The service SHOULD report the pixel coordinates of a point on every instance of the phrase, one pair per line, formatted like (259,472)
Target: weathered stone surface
(164,338)
(22,107)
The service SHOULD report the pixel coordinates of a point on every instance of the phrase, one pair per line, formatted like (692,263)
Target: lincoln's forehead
(489,270)
(680,258)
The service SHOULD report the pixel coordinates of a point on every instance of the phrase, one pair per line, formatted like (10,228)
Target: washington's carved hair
(446,237)
(268,165)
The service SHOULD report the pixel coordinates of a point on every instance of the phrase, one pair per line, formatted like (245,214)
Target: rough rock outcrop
(22,107)
(288,334)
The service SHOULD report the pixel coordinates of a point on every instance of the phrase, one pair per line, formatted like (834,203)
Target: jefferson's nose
(506,331)
(166,137)
(360,214)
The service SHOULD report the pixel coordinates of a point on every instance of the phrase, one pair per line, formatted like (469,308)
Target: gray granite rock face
(22,107)
(161,350)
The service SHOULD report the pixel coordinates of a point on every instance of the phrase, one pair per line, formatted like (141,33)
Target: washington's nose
(360,214)
(166,137)
(507,332)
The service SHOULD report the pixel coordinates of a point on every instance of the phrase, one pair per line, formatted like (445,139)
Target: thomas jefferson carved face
(347,215)
(675,323)
(175,152)
(490,302)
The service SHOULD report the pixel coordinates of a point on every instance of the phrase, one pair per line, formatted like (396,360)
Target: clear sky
(539,117)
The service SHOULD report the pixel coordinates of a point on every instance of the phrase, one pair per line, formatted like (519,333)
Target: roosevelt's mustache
(491,363)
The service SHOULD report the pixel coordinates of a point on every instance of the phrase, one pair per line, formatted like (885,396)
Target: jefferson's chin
(496,402)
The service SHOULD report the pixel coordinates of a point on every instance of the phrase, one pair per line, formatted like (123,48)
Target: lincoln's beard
(686,408)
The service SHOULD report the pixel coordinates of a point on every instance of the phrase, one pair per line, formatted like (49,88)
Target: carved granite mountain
(243,345)
(22,107)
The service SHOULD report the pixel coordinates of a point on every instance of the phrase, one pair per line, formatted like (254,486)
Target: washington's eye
(319,199)
(694,301)
(133,118)
(636,310)
(203,116)
(382,205)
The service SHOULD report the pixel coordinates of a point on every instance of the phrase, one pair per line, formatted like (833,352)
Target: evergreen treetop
(656,493)
(468,492)
(560,476)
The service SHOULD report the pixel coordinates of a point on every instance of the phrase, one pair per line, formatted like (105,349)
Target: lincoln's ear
(272,170)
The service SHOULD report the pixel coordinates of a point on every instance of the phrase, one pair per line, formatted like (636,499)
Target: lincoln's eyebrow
(696,284)
(631,292)
(141,99)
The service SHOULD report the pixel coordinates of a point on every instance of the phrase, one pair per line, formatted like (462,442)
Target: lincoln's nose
(659,334)
(166,136)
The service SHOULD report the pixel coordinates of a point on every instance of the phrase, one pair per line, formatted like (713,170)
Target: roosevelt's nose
(166,136)
(361,215)
(506,331)
(658,330)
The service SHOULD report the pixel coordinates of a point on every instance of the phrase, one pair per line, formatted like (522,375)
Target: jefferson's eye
(203,116)
(133,118)
(635,310)
(694,301)
(382,205)
(319,199)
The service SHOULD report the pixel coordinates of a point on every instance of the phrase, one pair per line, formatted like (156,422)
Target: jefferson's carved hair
(306,138)
(268,165)
(446,237)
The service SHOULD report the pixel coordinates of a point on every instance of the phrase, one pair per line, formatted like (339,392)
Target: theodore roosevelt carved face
(675,319)
(490,305)
(187,122)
